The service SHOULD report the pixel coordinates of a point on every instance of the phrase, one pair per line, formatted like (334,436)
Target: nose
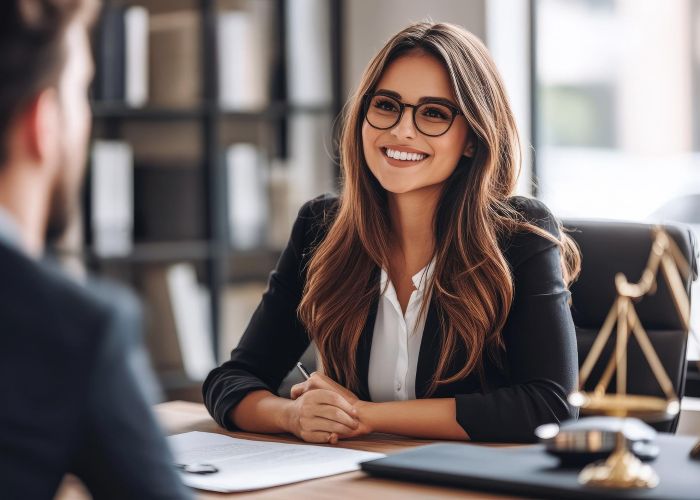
(405,127)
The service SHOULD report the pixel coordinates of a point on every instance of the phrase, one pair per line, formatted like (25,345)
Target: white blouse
(396,340)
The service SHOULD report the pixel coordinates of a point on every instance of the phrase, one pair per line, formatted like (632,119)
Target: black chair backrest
(607,248)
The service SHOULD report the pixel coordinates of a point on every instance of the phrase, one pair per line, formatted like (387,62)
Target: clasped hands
(324,411)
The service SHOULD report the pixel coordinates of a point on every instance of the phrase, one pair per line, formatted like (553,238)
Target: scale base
(620,470)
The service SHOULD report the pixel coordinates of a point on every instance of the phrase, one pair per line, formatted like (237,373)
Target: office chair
(607,248)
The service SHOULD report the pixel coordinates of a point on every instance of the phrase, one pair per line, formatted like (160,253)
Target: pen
(303,371)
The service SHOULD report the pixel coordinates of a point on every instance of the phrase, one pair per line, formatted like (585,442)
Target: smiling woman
(438,300)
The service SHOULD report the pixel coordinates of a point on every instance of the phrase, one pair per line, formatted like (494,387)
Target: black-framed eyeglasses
(431,117)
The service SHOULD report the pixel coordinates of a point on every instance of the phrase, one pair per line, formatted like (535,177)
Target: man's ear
(40,124)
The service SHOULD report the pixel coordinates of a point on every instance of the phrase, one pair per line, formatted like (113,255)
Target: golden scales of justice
(622,469)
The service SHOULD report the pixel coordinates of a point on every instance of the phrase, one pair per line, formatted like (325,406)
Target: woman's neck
(412,215)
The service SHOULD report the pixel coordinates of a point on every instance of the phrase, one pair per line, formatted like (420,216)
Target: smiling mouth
(404,156)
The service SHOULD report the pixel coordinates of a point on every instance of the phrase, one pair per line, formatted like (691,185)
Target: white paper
(249,465)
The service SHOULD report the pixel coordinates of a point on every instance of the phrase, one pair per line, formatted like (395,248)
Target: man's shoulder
(41,298)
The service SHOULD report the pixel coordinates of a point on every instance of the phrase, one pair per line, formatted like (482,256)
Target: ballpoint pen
(303,371)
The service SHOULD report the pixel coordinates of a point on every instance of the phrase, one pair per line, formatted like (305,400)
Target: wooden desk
(179,416)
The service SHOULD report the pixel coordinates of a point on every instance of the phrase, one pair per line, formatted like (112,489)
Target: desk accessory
(579,442)
(622,469)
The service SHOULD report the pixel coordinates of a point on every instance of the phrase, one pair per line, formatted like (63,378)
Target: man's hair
(32,52)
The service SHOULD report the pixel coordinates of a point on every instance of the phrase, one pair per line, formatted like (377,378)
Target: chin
(396,186)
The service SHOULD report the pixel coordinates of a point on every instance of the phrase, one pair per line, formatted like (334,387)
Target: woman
(437,300)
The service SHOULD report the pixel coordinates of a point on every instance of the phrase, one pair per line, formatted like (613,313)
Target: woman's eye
(435,113)
(385,105)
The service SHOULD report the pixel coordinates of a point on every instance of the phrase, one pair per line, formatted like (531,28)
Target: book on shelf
(136,64)
(243,33)
(112,213)
(179,334)
(175,59)
(239,302)
(247,196)
(109,54)
(308,52)
(121,48)
(282,213)
(169,203)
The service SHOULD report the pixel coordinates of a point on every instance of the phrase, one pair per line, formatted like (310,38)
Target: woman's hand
(320,416)
(318,381)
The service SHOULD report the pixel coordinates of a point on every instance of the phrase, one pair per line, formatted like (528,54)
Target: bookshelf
(181,205)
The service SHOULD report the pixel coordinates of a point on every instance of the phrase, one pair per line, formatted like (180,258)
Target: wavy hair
(472,286)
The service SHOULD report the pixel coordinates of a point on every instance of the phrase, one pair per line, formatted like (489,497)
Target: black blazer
(71,369)
(540,368)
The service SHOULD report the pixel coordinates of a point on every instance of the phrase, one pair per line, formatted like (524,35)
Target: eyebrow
(423,99)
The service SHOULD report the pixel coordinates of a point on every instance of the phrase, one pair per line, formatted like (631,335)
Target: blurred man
(70,399)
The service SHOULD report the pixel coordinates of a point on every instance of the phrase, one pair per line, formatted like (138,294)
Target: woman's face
(412,77)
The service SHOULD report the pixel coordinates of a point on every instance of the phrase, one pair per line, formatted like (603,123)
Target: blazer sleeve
(540,342)
(274,339)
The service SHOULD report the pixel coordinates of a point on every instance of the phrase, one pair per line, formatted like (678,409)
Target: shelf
(106,110)
(252,265)
(256,262)
(274,111)
(160,252)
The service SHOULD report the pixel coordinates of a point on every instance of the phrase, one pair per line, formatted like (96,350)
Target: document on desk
(245,465)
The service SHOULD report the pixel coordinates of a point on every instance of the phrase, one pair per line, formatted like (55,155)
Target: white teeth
(403,155)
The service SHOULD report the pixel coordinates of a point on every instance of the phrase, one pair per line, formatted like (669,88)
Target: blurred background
(215,120)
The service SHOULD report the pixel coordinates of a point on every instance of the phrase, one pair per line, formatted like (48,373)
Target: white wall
(368,24)
(508,40)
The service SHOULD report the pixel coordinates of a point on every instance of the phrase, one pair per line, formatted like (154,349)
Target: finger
(337,415)
(324,381)
(334,399)
(297,390)
(307,385)
(333,438)
(316,424)
(316,436)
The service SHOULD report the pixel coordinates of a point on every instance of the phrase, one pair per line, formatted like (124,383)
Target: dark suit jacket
(70,396)
(540,367)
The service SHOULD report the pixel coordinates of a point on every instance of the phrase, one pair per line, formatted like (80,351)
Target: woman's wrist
(286,417)
(365,414)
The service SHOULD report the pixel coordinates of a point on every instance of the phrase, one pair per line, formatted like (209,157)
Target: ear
(40,126)
(470,149)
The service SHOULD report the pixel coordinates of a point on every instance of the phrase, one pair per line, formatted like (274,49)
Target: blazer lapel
(429,352)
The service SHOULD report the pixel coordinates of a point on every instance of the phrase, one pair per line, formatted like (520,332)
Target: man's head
(45,71)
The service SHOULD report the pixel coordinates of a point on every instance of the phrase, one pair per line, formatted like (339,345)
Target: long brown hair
(472,286)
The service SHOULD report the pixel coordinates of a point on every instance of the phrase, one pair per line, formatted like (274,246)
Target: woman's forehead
(415,75)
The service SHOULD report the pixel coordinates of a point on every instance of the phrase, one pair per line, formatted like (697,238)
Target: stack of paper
(248,465)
